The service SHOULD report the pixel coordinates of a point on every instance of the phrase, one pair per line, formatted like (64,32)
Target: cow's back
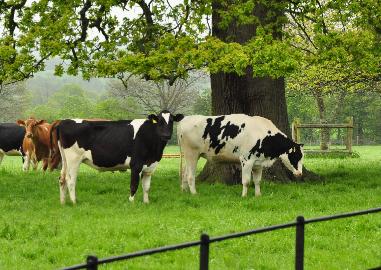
(104,144)
(11,136)
(227,136)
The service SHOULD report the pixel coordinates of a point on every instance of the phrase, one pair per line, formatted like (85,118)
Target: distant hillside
(45,83)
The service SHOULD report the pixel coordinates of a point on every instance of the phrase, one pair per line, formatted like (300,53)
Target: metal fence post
(92,263)
(299,245)
(204,252)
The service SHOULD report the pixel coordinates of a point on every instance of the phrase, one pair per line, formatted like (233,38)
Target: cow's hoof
(131,198)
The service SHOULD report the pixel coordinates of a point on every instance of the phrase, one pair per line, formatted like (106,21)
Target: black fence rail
(92,262)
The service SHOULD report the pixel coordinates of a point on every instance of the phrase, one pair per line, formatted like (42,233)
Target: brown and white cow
(38,132)
(253,141)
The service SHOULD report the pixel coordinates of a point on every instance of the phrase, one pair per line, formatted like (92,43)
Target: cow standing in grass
(38,132)
(254,142)
(11,139)
(113,145)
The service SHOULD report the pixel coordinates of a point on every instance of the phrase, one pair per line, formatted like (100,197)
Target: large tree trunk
(232,93)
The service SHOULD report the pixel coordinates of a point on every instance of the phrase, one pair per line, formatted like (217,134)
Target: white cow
(253,141)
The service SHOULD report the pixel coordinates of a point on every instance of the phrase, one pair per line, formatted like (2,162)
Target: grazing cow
(38,131)
(11,139)
(254,142)
(113,145)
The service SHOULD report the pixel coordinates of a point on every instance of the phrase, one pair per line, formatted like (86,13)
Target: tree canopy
(166,39)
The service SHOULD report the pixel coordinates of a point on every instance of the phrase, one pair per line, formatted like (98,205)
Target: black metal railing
(92,262)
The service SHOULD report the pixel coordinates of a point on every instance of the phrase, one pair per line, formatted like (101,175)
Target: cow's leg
(257,177)
(146,183)
(45,163)
(71,177)
(184,179)
(34,163)
(146,180)
(247,167)
(191,159)
(26,165)
(62,178)
(135,175)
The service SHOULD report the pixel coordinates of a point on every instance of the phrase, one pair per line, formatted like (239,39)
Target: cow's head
(30,126)
(293,159)
(164,123)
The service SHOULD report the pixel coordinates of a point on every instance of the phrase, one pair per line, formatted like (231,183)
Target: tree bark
(232,93)
(324,132)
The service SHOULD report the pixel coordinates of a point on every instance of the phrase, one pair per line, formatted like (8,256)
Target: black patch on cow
(269,132)
(11,136)
(275,145)
(214,128)
(295,156)
(235,149)
(109,142)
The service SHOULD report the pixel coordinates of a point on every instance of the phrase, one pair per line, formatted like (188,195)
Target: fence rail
(92,262)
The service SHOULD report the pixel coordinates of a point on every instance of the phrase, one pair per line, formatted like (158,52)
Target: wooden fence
(297,126)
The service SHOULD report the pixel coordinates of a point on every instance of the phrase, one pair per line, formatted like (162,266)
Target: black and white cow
(11,138)
(253,141)
(114,145)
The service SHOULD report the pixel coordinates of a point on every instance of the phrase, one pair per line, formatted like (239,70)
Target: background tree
(14,100)
(152,96)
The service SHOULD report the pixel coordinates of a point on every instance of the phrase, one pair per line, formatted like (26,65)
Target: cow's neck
(39,139)
(156,145)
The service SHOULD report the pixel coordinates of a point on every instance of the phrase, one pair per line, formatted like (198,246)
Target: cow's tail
(54,152)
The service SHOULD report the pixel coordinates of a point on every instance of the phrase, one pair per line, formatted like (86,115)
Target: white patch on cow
(13,152)
(147,171)
(77,120)
(166,117)
(136,124)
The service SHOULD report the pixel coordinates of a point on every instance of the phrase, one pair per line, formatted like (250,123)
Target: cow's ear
(178,117)
(20,123)
(153,118)
(41,122)
(301,144)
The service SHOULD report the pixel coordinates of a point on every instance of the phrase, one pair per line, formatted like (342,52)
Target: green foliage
(37,232)
(165,41)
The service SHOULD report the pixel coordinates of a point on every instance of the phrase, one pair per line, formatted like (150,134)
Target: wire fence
(92,262)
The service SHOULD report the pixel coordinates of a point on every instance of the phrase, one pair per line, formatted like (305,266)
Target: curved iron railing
(92,262)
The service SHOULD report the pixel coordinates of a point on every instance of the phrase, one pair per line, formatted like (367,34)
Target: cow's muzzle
(298,174)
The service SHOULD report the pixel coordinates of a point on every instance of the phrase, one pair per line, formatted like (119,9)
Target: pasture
(36,232)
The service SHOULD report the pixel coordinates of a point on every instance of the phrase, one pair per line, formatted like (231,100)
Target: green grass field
(36,232)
